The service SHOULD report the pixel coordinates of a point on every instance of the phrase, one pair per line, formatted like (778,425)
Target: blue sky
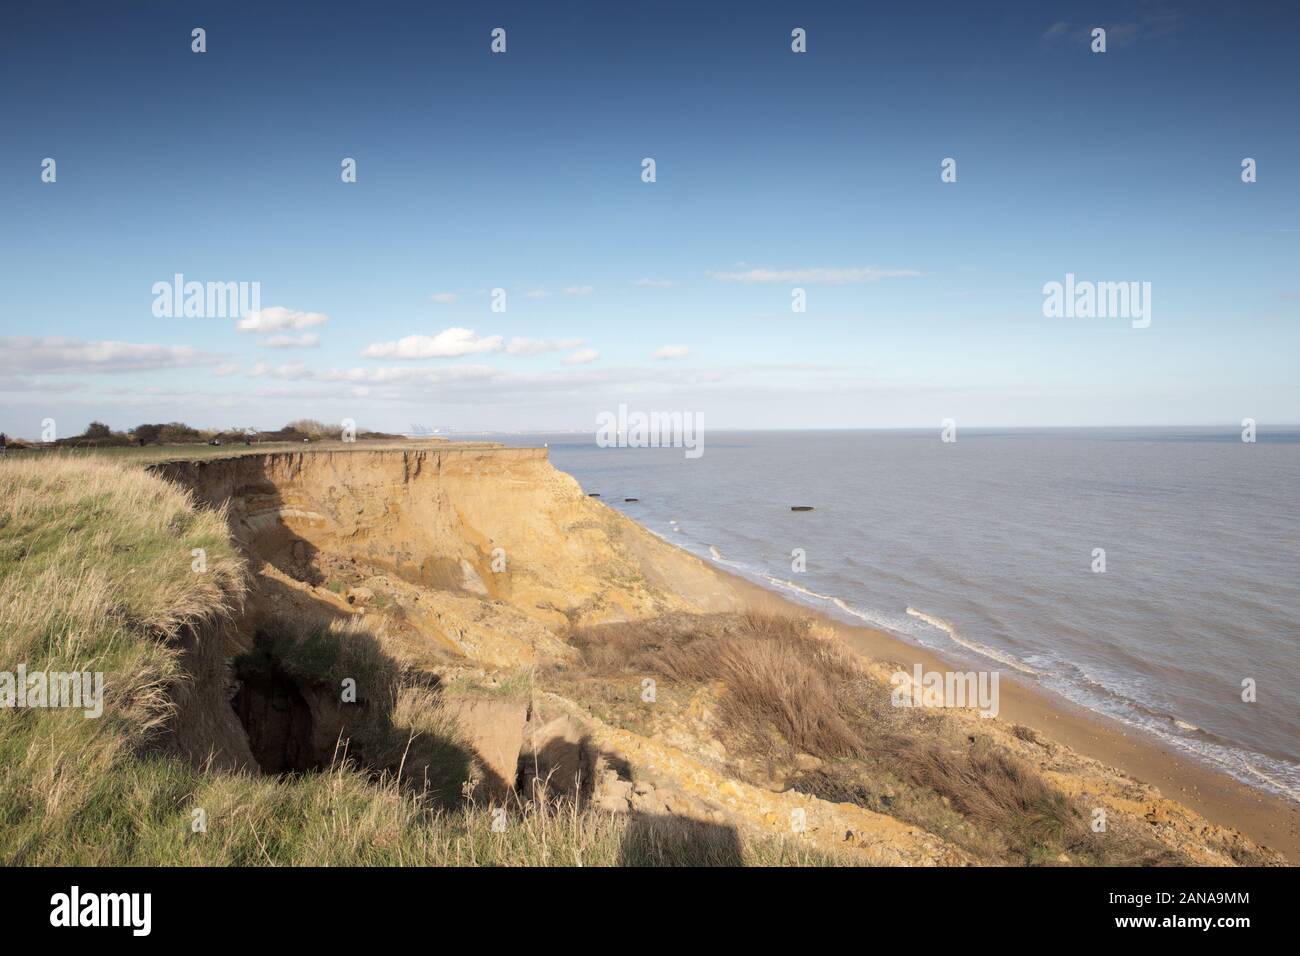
(522,171)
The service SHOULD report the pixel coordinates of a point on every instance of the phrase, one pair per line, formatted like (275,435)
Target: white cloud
(279,319)
(536,294)
(61,354)
(449,343)
(581,357)
(380,375)
(815,276)
(1154,23)
(570,391)
(443,297)
(653,283)
(579,290)
(224,370)
(293,371)
(672,352)
(308,340)
(405,374)
(527,346)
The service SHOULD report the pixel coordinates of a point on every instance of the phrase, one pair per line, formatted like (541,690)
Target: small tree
(175,433)
(145,434)
(310,427)
(97,430)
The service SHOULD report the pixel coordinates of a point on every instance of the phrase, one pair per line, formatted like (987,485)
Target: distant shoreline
(1229,429)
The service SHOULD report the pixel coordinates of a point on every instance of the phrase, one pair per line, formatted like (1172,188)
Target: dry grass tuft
(779,681)
(995,789)
(784,691)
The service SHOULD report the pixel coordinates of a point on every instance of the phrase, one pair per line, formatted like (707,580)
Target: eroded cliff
(482,552)
(579,653)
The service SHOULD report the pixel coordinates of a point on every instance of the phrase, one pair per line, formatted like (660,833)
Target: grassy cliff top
(194,451)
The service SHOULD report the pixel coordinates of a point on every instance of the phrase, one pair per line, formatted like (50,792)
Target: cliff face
(490,574)
(485,550)
(480,563)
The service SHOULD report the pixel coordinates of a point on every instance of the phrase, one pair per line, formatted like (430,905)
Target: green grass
(95,575)
(509,684)
(145,815)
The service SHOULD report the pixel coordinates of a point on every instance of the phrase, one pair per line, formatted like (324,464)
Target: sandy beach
(1271,820)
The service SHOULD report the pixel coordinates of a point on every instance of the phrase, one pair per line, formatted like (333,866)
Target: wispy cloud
(820,276)
(443,297)
(672,352)
(526,346)
(294,371)
(1153,22)
(653,283)
(579,290)
(62,354)
(1122,34)
(449,343)
(537,294)
(279,319)
(388,375)
(579,381)
(308,340)
(581,357)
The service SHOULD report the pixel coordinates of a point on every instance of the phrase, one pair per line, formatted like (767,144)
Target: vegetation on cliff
(100,571)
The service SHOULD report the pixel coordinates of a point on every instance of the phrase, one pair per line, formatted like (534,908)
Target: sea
(1148,574)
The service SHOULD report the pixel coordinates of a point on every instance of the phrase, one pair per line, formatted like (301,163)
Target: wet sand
(1267,819)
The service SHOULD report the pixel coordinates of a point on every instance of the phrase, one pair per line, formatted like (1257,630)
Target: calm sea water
(989,542)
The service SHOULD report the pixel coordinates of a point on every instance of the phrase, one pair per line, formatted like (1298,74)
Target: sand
(1270,820)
